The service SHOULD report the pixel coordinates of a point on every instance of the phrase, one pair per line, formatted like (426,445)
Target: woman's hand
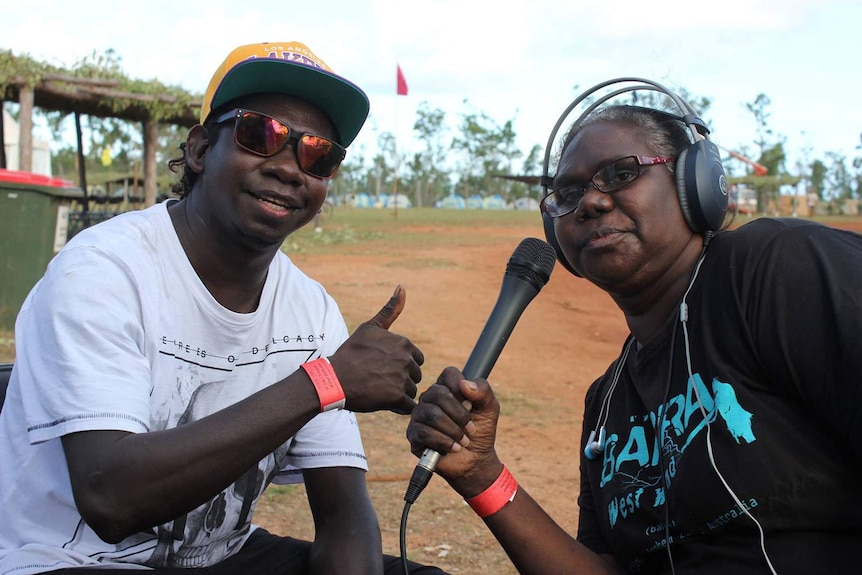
(458,419)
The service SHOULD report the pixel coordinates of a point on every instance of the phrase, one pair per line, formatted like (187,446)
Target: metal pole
(82,170)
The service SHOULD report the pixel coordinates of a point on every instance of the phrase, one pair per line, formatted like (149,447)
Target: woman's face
(621,241)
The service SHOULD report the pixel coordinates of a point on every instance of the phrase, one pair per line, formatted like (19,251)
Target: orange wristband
(501,492)
(326,383)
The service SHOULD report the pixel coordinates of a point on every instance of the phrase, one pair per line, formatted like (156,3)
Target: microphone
(527,272)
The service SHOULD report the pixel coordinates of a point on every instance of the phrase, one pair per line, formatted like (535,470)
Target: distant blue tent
(362,200)
(474,202)
(451,202)
(495,202)
(389,201)
(530,204)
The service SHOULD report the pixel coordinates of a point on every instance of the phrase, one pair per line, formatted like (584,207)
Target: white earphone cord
(683,315)
(605,410)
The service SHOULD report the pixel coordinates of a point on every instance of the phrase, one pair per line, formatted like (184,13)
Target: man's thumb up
(390,312)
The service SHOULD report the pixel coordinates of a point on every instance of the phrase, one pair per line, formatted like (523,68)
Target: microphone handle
(514,297)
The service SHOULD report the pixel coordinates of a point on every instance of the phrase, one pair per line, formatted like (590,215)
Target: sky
(518,61)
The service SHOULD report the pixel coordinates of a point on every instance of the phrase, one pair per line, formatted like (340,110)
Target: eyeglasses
(266,136)
(611,178)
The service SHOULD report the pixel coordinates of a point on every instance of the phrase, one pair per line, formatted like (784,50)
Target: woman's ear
(197,144)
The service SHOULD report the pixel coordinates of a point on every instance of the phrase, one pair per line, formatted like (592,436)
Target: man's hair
(183,187)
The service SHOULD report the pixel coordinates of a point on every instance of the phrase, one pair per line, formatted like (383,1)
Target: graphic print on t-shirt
(199,379)
(631,464)
(193,539)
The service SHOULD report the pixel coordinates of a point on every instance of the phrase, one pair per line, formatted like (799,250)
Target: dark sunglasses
(610,178)
(266,136)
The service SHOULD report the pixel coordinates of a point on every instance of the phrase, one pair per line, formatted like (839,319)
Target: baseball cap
(289,68)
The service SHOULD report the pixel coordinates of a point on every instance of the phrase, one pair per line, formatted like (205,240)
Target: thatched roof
(104,98)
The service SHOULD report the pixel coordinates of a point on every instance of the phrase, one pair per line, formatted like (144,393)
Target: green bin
(34,225)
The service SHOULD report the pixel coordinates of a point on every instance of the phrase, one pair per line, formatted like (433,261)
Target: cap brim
(344,102)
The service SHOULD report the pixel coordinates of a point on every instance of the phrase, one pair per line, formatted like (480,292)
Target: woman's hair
(664,133)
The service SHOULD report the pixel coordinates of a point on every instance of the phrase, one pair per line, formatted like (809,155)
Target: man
(173,362)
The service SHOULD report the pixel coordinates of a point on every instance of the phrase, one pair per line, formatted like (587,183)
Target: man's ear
(197,144)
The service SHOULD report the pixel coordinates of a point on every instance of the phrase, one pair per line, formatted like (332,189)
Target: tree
(383,164)
(509,152)
(818,178)
(427,165)
(487,149)
(772,155)
(661,101)
(838,178)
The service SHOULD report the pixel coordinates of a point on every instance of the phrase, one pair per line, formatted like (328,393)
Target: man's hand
(379,369)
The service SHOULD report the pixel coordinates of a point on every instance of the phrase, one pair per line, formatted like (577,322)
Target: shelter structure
(32,85)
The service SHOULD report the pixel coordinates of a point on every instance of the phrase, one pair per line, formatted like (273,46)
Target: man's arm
(125,482)
(347,539)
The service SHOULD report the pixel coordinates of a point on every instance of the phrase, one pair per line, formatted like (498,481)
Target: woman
(729,427)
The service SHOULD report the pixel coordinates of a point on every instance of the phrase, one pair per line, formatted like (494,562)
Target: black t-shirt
(774,340)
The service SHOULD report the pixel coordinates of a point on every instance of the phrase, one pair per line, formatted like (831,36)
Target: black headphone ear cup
(551,236)
(682,190)
(701,185)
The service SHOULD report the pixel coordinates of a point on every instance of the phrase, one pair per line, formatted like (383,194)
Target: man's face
(255,200)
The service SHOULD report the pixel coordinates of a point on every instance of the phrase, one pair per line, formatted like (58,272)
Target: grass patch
(365,230)
(334,237)
(422,263)
(275,492)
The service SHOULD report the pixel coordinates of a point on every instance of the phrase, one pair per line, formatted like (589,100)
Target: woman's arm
(458,418)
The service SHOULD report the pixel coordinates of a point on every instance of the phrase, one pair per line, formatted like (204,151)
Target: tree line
(478,157)
(474,160)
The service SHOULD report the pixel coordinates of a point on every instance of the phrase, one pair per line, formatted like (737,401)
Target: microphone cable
(527,271)
(402,536)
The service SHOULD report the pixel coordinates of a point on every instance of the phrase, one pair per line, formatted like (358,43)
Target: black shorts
(263,554)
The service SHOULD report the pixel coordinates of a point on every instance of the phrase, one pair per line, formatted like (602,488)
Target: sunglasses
(610,178)
(266,136)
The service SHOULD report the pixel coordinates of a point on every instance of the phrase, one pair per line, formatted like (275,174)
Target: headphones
(701,183)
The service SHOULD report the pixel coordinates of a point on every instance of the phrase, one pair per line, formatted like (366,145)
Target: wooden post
(151,140)
(82,170)
(25,132)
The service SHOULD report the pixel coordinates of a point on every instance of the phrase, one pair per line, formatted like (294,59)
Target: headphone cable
(683,313)
(707,237)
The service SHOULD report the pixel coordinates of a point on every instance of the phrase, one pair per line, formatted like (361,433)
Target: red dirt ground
(566,337)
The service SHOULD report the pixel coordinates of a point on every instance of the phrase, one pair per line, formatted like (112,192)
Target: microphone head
(533,261)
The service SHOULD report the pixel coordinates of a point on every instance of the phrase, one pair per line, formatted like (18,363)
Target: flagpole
(397,163)
(400,90)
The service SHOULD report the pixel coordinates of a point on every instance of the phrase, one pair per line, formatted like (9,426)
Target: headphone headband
(697,127)
(701,183)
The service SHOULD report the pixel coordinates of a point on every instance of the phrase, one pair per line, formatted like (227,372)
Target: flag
(402,83)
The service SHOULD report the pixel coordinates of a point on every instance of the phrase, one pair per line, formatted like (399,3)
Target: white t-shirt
(121,334)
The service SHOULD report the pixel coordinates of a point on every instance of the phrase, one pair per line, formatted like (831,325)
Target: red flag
(402,83)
